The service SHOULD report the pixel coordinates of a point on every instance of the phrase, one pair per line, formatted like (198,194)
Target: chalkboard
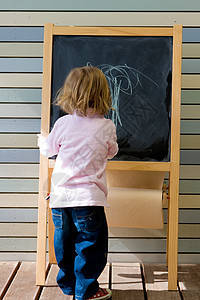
(138,70)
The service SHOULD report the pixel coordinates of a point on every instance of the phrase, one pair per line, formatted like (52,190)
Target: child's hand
(41,139)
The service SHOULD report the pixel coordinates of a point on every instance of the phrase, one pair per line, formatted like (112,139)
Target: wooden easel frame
(46,165)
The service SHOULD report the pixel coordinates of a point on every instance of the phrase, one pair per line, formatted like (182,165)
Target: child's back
(83,145)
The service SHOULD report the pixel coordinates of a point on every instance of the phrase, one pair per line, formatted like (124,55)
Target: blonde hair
(85,88)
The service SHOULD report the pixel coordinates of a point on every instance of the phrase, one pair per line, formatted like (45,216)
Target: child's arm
(49,145)
(112,144)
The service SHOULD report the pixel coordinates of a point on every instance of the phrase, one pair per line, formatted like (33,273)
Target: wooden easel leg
(52,258)
(42,223)
(167,250)
(173,228)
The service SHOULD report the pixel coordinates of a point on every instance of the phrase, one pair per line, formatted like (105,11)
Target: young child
(83,141)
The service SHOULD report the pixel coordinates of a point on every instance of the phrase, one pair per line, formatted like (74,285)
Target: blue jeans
(81,247)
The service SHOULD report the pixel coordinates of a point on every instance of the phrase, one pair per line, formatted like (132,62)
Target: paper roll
(137,208)
(135,179)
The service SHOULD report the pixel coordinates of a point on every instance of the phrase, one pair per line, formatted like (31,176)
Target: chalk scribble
(121,79)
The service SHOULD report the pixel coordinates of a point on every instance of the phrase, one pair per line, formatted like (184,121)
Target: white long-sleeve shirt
(83,145)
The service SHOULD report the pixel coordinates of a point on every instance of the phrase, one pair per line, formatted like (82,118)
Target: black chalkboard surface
(138,70)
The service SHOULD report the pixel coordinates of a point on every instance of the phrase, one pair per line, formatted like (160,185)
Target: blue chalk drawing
(121,79)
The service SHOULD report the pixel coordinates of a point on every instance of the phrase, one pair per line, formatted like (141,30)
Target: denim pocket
(57,217)
(89,218)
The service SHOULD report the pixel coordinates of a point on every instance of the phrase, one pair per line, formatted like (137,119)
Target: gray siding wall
(21,56)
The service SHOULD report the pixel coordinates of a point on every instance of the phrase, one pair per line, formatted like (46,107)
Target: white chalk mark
(121,79)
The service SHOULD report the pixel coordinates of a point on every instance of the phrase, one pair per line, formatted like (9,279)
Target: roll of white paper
(135,199)
(134,208)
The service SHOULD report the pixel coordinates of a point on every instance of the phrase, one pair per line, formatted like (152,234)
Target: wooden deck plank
(127,281)
(189,281)
(8,271)
(156,282)
(23,285)
(104,277)
(51,290)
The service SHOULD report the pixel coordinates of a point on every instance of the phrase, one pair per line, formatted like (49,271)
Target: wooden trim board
(172,237)
(113,31)
(43,182)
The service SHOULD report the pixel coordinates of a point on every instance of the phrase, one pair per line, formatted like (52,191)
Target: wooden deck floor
(127,281)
